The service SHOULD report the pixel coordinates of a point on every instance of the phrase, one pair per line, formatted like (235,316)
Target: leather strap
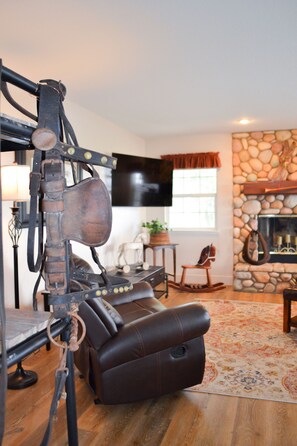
(35,180)
(60,380)
(246,253)
(16,105)
(76,153)
(105,287)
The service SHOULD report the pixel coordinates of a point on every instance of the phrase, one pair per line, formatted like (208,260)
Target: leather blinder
(87,216)
(52,206)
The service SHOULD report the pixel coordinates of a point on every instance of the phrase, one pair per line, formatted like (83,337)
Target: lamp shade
(15,182)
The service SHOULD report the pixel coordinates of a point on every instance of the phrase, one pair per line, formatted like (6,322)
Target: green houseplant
(155,226)
(158,232)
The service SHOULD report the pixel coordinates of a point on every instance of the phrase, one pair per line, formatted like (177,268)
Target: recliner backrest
(108,315)
(102,320)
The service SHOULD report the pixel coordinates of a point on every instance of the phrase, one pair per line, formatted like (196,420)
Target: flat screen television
(140,181)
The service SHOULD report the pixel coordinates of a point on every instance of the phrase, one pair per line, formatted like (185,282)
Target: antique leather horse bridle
(81,212)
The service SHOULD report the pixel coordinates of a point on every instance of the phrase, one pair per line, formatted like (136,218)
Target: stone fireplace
(265,195)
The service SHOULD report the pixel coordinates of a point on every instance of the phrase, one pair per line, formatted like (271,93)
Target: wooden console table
(163,247)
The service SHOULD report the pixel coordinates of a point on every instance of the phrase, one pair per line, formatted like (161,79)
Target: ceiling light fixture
(244,121)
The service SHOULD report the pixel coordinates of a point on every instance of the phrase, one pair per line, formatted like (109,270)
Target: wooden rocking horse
(206,257)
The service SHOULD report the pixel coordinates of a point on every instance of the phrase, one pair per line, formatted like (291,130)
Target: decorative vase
(160,238)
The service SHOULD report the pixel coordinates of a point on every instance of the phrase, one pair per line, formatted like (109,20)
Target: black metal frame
(35,342)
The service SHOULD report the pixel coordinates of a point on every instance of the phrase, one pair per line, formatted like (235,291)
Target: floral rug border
(247,353)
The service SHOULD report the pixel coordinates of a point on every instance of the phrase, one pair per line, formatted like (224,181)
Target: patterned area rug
(247,353)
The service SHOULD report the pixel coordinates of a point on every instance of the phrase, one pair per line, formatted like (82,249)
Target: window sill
(208,230)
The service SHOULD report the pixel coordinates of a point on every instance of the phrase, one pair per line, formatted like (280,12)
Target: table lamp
(15,188)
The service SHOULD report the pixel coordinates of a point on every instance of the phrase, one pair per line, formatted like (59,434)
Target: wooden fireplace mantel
(269,187)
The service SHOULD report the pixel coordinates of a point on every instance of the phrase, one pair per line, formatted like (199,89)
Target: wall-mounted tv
(140,181)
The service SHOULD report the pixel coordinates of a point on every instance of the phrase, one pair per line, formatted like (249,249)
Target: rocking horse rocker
(206,257)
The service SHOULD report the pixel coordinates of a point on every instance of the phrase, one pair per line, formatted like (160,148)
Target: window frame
(198,195)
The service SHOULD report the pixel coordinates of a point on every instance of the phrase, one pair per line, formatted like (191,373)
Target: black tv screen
(140,181)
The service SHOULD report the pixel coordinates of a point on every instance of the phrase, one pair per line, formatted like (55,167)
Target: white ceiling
(162,67)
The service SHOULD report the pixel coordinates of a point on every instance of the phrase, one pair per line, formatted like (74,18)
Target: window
(194,199)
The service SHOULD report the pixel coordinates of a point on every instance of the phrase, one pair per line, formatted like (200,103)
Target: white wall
(99,135)
(103,136)
(191,243)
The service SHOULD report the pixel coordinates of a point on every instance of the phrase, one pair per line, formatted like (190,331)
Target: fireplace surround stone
(259,157)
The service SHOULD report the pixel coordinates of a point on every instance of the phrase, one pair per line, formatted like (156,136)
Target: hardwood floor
(182,418)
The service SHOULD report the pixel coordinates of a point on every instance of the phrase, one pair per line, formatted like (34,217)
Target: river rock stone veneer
(257,156)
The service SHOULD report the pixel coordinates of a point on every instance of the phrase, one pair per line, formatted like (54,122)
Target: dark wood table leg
(174,264)
(287,316)
(163,257)
(154,257)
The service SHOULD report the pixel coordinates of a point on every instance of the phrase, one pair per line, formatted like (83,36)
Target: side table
(163,247)
(289,295)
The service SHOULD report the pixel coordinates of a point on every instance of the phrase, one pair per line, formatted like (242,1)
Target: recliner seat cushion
(138,309)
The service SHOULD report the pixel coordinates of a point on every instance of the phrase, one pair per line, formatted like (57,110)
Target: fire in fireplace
(280,234)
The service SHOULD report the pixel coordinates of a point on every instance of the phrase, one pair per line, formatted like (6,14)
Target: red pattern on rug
(247,353)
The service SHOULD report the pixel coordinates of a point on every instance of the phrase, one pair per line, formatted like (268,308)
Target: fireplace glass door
(280,234)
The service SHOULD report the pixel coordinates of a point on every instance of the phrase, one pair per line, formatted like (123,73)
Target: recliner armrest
(153,333)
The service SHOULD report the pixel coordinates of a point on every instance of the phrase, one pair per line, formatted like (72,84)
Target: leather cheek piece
(87,215)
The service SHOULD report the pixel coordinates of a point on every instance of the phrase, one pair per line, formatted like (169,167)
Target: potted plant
(158,232)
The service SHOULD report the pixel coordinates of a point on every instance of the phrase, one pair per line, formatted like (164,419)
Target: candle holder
(278,243)
(288,248)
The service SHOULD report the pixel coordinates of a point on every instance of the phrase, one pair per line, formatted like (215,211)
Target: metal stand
(20,379)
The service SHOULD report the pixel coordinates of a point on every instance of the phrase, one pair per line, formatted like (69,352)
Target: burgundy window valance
(194,160)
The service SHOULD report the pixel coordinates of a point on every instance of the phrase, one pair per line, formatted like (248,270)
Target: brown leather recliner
(136,348)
